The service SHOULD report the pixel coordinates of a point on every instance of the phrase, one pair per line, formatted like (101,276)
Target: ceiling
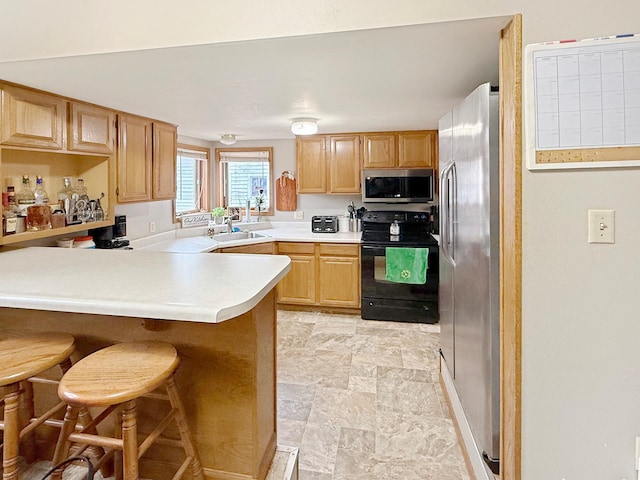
(399,78)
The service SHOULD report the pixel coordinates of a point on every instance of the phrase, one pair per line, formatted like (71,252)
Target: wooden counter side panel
(226,379)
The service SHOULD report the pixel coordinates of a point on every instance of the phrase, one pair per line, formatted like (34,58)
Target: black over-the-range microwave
(397,185)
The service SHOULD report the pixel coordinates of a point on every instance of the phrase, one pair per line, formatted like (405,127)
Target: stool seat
(118,373)
(24,357)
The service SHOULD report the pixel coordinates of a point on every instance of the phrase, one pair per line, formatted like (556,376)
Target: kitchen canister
(343,223)
(65,242)
(84,242)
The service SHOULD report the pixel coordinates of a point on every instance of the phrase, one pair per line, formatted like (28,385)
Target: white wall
(580,355)
(581,362)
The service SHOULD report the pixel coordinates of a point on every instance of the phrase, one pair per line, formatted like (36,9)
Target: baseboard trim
(473,457)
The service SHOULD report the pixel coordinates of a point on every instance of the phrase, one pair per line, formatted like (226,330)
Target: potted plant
(217,214)
(259,202)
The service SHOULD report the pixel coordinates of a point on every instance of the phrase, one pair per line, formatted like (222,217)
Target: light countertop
(202,243)
(138,283)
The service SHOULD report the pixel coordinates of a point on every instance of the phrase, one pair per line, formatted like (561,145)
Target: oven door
(382,299)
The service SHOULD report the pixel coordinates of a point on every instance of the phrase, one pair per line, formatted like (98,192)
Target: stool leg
(27,412)
(63,445)
(130,440)
(183,428)
(11,433)
(84,419)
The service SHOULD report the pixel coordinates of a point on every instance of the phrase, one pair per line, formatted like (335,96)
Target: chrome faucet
(229,223)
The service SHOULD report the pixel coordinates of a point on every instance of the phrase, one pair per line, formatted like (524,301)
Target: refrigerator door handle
(447,183)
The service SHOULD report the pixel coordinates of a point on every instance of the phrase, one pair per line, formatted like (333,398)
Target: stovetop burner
(414,229)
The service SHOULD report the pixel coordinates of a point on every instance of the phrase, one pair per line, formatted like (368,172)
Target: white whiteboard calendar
(582,103)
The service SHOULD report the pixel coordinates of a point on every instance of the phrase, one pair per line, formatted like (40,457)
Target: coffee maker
(113,235)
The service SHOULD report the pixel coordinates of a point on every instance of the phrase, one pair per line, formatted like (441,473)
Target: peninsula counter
(219,311)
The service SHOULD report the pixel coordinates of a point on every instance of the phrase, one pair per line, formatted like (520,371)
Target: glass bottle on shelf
(39,214)
(80,191)
(40,194)
(25,197)
(66,191)
(9,212)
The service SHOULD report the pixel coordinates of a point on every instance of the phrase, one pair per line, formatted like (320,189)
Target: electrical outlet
(602,226)
(298,215)
(152,227)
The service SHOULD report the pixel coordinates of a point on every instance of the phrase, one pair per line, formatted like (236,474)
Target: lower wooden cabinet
(322,274)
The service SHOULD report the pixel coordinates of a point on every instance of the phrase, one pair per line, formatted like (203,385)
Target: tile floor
(362,400)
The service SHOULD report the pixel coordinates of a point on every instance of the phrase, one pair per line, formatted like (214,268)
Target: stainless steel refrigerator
(469,262)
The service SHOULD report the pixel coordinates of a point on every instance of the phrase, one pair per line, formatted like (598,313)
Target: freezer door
(445,289)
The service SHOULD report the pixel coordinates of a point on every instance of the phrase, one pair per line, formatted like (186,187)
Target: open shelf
(26,236)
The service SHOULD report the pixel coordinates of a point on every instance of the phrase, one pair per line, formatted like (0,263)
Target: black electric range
(385,300)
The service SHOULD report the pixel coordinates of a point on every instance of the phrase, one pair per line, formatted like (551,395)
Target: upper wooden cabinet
(379,150)
(146,163)
(135,155)
(164,161)
(32,119)
(311,164)
(414,149)
(91,129)
(328,164)
(418,149)
(344,164)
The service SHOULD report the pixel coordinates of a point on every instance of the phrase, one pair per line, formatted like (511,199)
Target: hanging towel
(406,265)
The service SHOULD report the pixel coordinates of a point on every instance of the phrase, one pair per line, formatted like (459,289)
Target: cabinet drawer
(304,248)
(339,249)
(260,248)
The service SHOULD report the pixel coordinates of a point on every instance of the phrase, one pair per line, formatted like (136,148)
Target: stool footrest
(183,468)
(105,442)
(155,433)
(36,422)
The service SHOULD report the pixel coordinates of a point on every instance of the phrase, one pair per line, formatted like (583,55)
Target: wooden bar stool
(21,359)
(115,377)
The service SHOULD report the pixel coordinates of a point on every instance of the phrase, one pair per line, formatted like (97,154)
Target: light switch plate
(298,215)
(602,226)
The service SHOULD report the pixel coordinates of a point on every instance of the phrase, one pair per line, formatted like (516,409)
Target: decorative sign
(582,101)
(195,220)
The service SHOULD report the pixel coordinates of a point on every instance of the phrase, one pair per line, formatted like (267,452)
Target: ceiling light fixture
(227,139)
(304,126)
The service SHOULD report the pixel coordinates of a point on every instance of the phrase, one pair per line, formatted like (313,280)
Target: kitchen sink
(228,237)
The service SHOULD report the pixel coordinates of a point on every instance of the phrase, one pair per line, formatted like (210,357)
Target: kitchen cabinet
(135,155)
(146,159)
(91,128)
(299,285)
(32,119)
(412,149)
(322,274)
(328,163)
(164,161)
(418,149)
(379,150)
(338,275)
(311,164)
(344,164)
(259,248)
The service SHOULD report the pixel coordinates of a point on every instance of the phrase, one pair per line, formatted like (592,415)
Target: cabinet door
(339,282)
(164,161)
(32,119)
(299,285)
(344,164)
(379,150)
(417,149)
(134,159)
(311,164)
(91,129)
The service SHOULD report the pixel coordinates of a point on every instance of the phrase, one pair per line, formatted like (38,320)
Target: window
(243,173)
(192,179)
